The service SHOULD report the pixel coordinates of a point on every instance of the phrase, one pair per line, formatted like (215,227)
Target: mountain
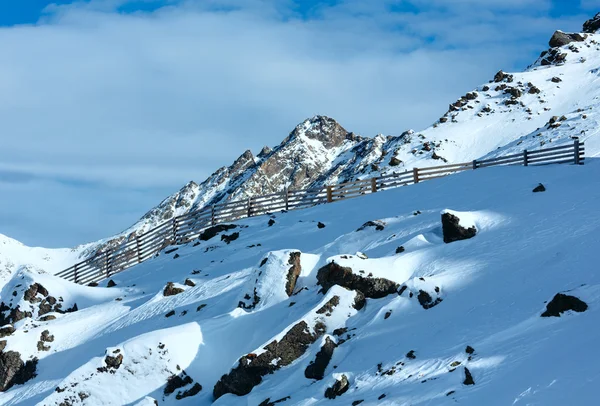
(553,100)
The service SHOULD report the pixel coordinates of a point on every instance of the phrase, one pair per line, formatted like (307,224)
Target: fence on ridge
(183,229)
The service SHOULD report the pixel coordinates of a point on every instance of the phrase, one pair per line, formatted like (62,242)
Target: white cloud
(155,99)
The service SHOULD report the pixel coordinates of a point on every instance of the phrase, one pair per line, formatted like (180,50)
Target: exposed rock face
(377,224)
(468,378)
(251,368)
(212,231)
(592,25)
(13,371)
(316,370)
(334,274)
(452,229)
(31,293)
(293,272)
(6,331)
(113,361)
(340,387)
(171,290)
(560,39)
(177,382)
(427,301)
(561,303)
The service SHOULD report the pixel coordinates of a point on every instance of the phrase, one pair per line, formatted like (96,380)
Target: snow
(493,287)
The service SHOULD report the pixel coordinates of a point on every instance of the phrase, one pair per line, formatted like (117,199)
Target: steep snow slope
(228,314)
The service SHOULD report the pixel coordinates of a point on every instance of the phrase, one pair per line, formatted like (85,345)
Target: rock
(202,306)
(411,354)
(468,378)
(171,290)
(271,222)
(378,224)
(171,313)
(592,25)
(340,387)
(316,370)
(387,315)
(13,371)
(293,273)
(395,161)
(357,402)
(320,225)
(177,382)
(92,284)
(452,229)
(194,390)
(251,367)
(334,274)
(556,79)
(560,39)
(469,350)
(46,337)
(230,237)
(42,347)
(267,401)
(400,249)
(514,92)
(427,301)
(502,76)
(31,293)
(6,331)
(212,231)
(534,90)
(113,362)
(359,300)
(111,284)
(2,345)
(561,303)
(189,282)
(539,188)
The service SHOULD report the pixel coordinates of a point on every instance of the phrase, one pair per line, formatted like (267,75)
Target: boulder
(113,362)
(377,224)
(395,161)
(230,237)
(212,231)
(592,25)
(427,301)
(251,367)
(340,387)
(31,293)
(6,330)
(293,273)
(453,231)
(316,369)
(193,391)
(561,303)
(334,274)
(177,382)
(320,225)
(111,284)
(560,38)
(468,378)
(189,282)
(13,371)
(539,188)
(171,290)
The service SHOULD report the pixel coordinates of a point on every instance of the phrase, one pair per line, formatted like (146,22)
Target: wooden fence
(185,228)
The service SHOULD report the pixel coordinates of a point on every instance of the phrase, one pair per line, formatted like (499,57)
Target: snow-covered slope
(280,312)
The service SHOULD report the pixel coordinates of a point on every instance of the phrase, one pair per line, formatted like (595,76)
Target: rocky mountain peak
(243,162)
(265,151)
(324,129)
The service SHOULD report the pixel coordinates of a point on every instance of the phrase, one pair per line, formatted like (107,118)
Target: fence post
(329,194)
(75,272)
(285,198)
(107,263)
(416,175)
(212,215)
(576,145)
(250,207)
(525,160)
(474,164)
(139,251)
(175,224)
(373,185)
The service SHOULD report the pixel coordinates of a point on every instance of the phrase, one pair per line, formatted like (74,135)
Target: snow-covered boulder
(457,226)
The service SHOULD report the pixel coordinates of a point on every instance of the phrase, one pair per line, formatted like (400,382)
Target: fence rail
(182,229)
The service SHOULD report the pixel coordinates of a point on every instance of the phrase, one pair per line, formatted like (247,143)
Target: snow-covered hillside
(371,309)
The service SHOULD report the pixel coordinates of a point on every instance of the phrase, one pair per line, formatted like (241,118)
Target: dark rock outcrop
(193,391)
(561,303)
(13,371)
(560,38)
(111,284)
(377,224)
(6,331)
(592,25)
(316,369)
(177,382)
(468,378)
(113,361)
(340,387)
(31,293)
(171,290)
(453,231)
(268,402)
(539,188)
(251,367)
(212,231)
(230,237)
(427,301)
(334,274)
(293,273)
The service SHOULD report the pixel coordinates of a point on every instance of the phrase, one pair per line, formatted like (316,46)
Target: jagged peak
(322,128)
(592,25)
(266,150)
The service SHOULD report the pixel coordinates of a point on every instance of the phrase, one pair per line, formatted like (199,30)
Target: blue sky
(108,106)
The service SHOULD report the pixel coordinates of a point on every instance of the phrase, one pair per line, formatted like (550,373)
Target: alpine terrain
(478,288)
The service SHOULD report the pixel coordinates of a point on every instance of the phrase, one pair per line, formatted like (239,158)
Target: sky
(109,106)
